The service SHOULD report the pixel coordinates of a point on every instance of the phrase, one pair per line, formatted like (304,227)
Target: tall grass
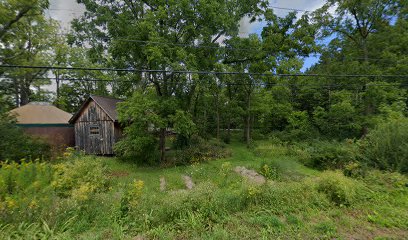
(386,147)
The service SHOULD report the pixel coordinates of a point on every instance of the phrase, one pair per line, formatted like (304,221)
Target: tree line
(366,40)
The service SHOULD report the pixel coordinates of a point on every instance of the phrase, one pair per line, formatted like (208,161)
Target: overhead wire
(202,72)
(257,84)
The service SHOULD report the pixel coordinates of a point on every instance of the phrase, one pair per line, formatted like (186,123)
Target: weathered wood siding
(94,116)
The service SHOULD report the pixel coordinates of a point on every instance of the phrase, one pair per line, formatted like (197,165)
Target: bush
(25,190)
(137,148)
(388,179)
(339,189)
(270,171)
(331,155)
(355,170)
(16,145)
(80,177)
(201,150)
(33,191)
(386,147)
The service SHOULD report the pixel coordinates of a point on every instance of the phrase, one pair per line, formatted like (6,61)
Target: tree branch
(218,36)
(17,18)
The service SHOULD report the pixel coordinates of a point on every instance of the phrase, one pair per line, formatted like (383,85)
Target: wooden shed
(96,125)
(41,119)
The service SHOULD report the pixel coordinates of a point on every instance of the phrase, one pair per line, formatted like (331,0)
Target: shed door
(95,138)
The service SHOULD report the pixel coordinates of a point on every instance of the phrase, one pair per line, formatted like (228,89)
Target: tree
(163,37)
(144,115)
(79,84)
(13,11)
(356,20)
(31,42)
(369,39)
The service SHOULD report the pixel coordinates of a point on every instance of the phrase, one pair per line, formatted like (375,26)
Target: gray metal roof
(108,104)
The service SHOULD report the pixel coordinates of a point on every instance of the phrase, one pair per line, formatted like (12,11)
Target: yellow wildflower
(11,203)
(135,192)
(83,192)
(253,191)
(33,204)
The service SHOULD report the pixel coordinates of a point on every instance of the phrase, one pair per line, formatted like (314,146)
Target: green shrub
(339,189)
(137,148)
(284,197)
(355,169)
(80,177)
(270,171)
(16,145)
(299,127)
(388,179)
(331,155)
(201,150)
(25,190)
(386,147)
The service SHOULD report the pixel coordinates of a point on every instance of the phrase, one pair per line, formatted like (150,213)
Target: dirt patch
(163,184)
(250,174)
(118,174)
(188,181)
(373,232)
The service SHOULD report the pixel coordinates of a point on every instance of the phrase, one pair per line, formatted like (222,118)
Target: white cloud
(308,5)
(65,11)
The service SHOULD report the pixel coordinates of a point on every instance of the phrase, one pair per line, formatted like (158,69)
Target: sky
(66,10)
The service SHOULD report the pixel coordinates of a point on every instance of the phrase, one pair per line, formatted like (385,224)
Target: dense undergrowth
(84,197)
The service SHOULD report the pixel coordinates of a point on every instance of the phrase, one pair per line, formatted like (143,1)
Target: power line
(205,72)
(261,84)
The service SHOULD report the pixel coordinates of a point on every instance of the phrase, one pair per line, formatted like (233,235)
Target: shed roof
(40,113)
(108,104)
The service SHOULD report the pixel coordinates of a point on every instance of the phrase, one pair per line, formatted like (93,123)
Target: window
(94,130)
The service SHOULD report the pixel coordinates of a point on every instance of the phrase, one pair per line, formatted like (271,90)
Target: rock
(250,174)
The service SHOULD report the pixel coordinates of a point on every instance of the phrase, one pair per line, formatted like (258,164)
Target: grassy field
(296,202)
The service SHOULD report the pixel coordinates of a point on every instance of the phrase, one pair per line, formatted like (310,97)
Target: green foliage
(15,145)
(79,178)
(201,150)
(331,155)
(339,189)
(25,190)
(141,116)
(340,121)
(32,231)
(220,205)
(299,127)
(184,127)
(31,192)
(386,147)
(355,169)
(31,40)
(270,171)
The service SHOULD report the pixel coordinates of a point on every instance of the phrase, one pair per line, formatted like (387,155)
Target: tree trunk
(367,111)
(248,130)
(365,51)
(248,122)
(24,94)
(218,123)
(16,93)
(58,88)
(229,131)
(162,145)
